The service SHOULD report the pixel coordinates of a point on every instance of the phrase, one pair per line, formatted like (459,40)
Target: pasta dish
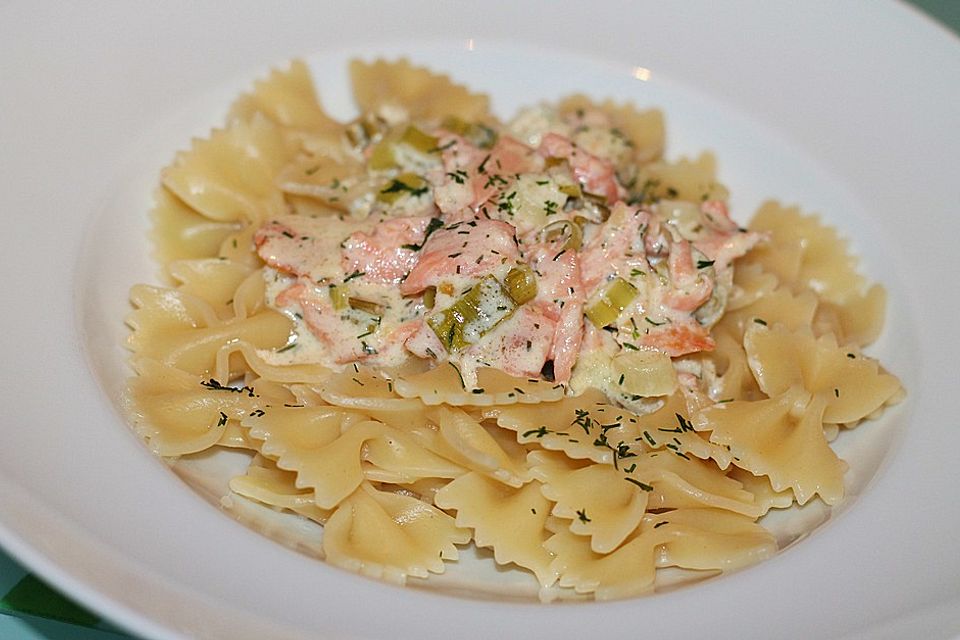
(427,328)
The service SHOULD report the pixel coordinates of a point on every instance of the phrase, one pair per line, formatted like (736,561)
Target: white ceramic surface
(847,108)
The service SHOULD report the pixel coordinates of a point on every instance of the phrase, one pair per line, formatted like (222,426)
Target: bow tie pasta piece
(212,280)
(366,390)
(462,439)
(288,98)
(277,488)
(571,425)
(629,570)
(781,306)
(236,437)
(159,311)
(184,332)
(852,385)
(299,438)
(686,179)
(291,374)
(309,441)
(668,429)
(384,87)
(180,233)
(390,536)
(178,412)
(803,252)
(705,539)
(398,457)
(751,283)
(687,482)
(594,498)
(727,369)
(858,320)
(507,519)
(230,176)
(764,495)
(781,437)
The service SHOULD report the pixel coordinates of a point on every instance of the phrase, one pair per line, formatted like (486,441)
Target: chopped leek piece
(453,124)
(429,297)
(644,373)
(571,189)
(521,284)
(409,183)
(382,157)
(366,306)
(611,302)
(356,134)
(363,131)
(478,134)
(339,297)
(563,229)
(471,317)
(419,140)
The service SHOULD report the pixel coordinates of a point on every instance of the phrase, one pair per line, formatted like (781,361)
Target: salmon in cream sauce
(518,254)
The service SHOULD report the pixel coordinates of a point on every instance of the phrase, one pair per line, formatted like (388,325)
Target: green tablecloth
(36,612)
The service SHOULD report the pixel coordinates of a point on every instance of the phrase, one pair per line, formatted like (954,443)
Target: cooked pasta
(426,328)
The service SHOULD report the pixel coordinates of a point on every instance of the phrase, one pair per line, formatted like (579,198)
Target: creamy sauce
(424,261)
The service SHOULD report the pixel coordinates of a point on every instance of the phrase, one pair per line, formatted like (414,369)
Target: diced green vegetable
(419,140)
(339,297)
(471,317)
(429,297)
(405,183)
(521,284)
(366,306)
(611,302)
(382,157)
(363,131)
(453,124)
(563,229)
(571,189)
(478,134)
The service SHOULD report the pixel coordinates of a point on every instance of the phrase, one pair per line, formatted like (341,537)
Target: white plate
(846,108)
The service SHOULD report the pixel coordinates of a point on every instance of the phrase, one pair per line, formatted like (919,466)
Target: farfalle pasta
(426,328)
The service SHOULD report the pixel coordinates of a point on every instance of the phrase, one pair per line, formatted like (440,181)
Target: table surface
(30,610)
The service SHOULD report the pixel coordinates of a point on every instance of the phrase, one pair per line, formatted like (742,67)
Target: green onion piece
(429,297)
(453,124)
(563,229)
(472,316)
(521,284)
(356,134)
(339,297)
(405,183)
(571,189)
(363,131)
(382,157)
(478,134)
(366,306)
(608,306)
(419,140)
